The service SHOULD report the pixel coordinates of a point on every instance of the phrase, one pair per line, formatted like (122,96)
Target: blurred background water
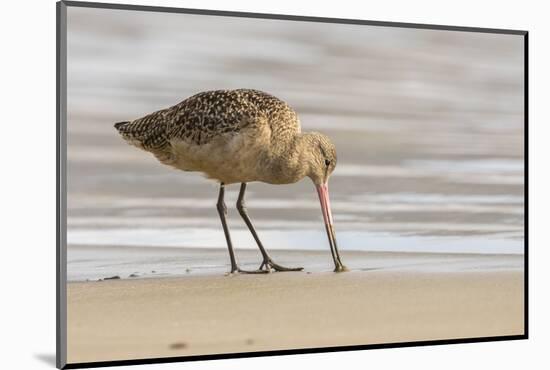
(428,127)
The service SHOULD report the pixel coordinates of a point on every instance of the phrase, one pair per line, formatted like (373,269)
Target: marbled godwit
(239,136)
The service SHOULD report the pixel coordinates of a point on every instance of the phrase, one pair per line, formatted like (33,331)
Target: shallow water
(428,127)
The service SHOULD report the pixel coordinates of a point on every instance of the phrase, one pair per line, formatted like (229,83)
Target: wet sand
(212,314)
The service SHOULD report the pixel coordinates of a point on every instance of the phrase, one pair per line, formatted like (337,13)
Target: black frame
(61,196)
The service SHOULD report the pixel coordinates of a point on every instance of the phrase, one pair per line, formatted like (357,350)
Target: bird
(237,136)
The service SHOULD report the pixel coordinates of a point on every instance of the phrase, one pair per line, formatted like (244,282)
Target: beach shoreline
(97,262)
(415,298)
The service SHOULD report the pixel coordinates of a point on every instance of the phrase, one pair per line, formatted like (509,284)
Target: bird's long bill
(324,198)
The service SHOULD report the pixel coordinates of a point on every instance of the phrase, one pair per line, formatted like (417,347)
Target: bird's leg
(267,261)
(222,210)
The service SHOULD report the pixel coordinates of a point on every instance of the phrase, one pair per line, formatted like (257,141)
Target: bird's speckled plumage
(233,136)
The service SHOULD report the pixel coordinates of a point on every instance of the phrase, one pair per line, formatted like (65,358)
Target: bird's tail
(145,133)
(120,125)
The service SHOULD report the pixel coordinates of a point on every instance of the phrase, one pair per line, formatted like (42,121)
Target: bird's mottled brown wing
(206,115)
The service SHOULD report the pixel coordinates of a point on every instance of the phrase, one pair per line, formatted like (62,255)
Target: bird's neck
(287,161)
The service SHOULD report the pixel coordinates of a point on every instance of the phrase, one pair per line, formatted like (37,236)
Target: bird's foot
(237,270)
(268,265)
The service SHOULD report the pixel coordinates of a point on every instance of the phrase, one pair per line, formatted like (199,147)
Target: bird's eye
(327,162)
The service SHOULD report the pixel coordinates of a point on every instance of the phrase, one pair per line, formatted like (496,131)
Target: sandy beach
(418,297)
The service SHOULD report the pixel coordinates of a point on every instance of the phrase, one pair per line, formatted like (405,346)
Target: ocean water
(428,127)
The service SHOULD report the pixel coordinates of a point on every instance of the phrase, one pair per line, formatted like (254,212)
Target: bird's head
(321,158)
